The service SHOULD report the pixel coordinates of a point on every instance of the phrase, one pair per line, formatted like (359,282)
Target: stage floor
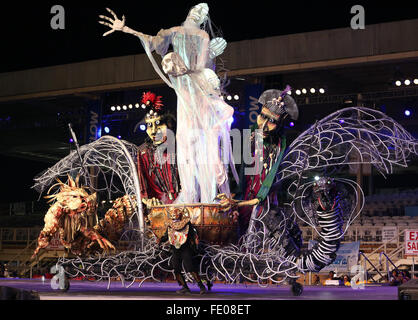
(87,290)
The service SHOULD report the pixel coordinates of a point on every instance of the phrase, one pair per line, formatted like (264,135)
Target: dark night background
(28,41)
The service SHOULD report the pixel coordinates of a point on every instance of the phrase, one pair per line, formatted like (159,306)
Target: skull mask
(199,13)
(213,80)
(277,106)
(173,65)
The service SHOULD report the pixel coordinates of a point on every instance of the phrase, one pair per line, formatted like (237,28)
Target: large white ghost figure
(202,115)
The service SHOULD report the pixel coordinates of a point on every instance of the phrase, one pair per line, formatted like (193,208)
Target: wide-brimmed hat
(279,102)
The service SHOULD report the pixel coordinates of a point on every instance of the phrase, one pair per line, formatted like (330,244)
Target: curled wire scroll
(111,170)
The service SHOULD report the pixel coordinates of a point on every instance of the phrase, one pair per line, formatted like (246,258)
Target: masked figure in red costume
(158,174)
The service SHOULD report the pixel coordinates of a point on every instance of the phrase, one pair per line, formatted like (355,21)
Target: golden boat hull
(212,224)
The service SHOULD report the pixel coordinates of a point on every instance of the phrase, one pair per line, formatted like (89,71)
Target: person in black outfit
(183,240)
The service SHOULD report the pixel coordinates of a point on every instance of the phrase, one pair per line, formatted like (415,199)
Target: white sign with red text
(55,243)
(411,242)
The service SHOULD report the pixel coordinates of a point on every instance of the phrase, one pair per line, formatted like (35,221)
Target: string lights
(126,107)
(406,82)
(312,90)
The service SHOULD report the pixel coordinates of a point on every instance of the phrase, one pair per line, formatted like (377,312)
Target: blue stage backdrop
(252,107)
(94,120)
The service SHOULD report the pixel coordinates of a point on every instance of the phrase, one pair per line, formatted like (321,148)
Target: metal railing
(24,251)
(387,263)
(392,249)
(391,256)
(372,265)
(14,239)
(18,235)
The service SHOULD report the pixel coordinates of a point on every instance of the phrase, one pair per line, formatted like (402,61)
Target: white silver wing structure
(348,137)
(107,166)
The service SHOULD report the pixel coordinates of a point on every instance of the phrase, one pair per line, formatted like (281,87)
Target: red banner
(411,242)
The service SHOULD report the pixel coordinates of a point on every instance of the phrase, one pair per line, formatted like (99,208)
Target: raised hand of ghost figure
(115,24)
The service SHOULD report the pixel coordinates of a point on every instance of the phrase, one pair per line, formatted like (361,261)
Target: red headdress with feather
(150,99)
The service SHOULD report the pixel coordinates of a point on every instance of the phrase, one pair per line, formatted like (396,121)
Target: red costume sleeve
(141,174)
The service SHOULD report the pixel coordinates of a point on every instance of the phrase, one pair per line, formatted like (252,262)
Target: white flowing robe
(202,116)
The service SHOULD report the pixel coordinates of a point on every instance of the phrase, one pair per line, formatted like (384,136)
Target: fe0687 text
(225,309)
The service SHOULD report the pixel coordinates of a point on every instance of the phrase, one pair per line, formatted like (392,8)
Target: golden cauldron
(213,224)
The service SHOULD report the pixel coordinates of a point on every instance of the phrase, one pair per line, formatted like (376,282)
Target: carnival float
(255,238)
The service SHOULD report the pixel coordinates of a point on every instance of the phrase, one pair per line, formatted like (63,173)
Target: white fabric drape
(202,115)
